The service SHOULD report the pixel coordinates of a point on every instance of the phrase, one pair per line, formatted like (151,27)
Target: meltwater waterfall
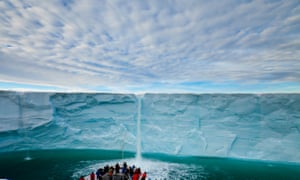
(138,133)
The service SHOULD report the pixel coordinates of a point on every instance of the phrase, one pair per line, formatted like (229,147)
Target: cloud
(113,44)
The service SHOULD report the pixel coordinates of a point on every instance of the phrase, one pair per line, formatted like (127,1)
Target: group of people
(117,173)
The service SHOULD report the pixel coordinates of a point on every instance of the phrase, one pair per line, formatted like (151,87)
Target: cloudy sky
(150,45)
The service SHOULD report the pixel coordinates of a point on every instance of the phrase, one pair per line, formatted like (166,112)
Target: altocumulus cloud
(143,45)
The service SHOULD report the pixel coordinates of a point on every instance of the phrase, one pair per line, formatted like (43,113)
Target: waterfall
(138,133)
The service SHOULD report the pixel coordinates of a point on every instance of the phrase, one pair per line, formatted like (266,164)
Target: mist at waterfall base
(179,136)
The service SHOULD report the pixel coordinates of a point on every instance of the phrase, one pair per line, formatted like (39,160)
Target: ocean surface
(68,164)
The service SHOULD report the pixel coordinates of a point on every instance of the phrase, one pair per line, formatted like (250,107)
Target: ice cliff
(247,126)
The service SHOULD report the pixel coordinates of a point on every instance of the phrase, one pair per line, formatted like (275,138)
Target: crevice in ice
(232,144)
(220,150)
(178,149)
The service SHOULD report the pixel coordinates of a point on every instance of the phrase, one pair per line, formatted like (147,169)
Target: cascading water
(138,134)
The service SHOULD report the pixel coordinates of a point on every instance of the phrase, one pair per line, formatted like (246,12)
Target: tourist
(92,176)
(124,168)
(131,170)
(144,176)
(100,173)
(113,172)
(106,169)
(117,167)
(137,174)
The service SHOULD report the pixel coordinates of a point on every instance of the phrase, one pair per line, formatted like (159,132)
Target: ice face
(96,121)
(247,126)
(54,120)
(231,125)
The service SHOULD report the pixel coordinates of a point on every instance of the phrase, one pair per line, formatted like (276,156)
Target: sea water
(71,164)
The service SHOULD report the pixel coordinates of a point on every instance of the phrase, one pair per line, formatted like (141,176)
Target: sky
(191,46)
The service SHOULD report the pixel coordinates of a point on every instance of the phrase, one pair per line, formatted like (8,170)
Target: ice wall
(20,115)
(71,120)
(225,125)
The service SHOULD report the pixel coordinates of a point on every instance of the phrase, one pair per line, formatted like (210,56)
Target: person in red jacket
(92,176)
(81,178)
(144,176)
(136,174)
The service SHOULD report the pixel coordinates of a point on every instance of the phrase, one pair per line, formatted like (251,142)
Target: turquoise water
(70,164)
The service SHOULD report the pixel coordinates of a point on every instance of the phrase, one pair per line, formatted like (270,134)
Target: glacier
(247,126)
